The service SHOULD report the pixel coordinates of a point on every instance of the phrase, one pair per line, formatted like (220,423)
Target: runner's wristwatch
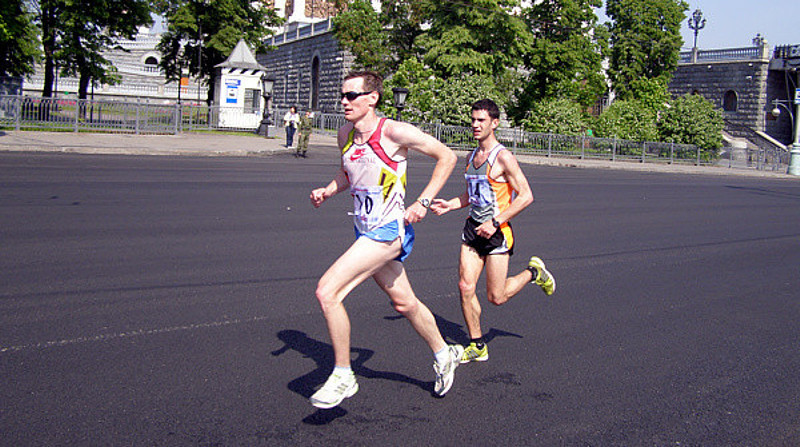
(425,202)
(495,223)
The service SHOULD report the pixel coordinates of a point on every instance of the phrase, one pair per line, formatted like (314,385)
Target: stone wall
(291,65)
(744,83)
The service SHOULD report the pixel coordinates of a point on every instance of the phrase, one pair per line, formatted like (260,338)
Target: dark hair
(373,82)
(488,105)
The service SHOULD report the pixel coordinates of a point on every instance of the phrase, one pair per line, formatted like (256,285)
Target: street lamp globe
(400,94)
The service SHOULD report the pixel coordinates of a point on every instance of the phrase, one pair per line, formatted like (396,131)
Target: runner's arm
(408,136)
(339,183)
(441,206)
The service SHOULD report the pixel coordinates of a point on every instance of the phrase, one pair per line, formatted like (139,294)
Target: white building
(139,72)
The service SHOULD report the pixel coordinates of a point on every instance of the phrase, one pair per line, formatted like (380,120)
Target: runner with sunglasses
(373,166)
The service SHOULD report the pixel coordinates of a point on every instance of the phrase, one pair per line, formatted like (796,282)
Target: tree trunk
(49,46)
(83,84)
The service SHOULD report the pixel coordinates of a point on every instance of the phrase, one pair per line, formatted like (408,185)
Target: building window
(315,83)
(299,85)
(730,103)
(151,65)
(252,102)
(286,88)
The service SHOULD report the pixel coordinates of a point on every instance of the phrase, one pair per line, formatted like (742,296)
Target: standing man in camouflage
(305,133)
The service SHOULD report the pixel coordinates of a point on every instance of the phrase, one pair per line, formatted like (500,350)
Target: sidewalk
(215,144)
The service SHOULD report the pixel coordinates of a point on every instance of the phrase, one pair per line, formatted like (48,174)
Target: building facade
(140,76)
(308,66)
(743,83)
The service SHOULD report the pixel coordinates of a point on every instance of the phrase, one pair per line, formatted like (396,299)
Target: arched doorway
(315,83)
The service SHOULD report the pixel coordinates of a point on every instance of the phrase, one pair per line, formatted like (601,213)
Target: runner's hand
(440,206)
(415,213)
(317,197)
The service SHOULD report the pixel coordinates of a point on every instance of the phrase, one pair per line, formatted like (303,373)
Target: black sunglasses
(351,96)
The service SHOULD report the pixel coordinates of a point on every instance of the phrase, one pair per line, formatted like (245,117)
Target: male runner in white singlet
(493,179)
(374,154)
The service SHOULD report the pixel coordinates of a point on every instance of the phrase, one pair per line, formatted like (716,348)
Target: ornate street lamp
(267,82)
(400,95)
(794,155)
(696,23)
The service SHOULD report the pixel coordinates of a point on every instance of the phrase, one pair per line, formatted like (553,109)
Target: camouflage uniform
(305,134)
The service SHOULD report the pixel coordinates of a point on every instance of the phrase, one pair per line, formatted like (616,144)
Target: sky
(734,23)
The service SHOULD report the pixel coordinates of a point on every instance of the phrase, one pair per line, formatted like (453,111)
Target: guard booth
(238,90)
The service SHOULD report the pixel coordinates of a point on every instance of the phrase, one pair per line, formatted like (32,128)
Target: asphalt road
(170,301)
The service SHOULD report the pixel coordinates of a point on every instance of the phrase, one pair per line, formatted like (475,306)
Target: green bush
(627,120)
(692,119)
(557,116)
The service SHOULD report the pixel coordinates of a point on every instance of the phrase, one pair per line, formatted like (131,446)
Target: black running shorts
(495,245)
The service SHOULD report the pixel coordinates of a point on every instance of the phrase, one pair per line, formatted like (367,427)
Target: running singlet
(488,197)
(377,182)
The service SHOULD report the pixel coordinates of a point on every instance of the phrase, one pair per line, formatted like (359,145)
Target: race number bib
(480,191)
(367,206)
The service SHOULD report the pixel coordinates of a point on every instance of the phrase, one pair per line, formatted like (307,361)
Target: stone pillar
(298,13)
(763,50)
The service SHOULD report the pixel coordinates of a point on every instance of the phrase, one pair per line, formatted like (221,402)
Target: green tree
(473,36)
(422,87)
(19,39)
(627,120)
(358,29)
(556,115)
(202,33)
(447,101)
(645,40)
(47,16)
(566,58)
(403,21)
(692,119)
(89,28)
(651,93)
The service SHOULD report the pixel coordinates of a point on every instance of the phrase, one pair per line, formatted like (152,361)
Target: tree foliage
(627,120)
(19,39)
(75,33)
(566,58)
(556,115)
(651,93)
(403,21)
(88,28)
(359,30)
(202,33)
(477,37)
(645,40)
(447,101)
(692,119)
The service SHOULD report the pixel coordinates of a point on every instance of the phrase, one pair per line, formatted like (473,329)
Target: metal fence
(58,114)
(36,113)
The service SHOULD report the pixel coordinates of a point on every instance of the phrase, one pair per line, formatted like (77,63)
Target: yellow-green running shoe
(542,277)
(473,354)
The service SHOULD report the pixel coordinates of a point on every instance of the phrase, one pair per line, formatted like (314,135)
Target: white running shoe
(446,372)
(337,388)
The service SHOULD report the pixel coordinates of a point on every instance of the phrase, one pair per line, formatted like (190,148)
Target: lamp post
(794,154)
(696,23)
(400,94)
(267,82)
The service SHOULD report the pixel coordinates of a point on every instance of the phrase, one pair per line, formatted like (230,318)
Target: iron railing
(37,113)
(58,114)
